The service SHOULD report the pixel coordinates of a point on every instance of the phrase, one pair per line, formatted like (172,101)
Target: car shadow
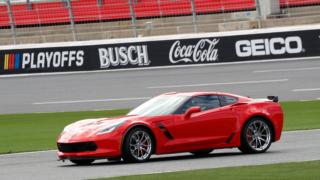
(168,158)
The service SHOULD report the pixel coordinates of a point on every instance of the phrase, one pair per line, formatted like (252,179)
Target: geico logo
(52,59)
(122,56)
(273,46)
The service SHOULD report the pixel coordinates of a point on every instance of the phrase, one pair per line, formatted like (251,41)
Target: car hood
(88,128)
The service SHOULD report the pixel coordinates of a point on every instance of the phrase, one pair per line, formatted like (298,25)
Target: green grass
(301,115)
(30,132)
(38,131)
(286,171)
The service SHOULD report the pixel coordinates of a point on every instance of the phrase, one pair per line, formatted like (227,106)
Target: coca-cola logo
(204,51)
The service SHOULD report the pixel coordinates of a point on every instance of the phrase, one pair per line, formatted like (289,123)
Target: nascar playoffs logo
(12,61)
(43,60)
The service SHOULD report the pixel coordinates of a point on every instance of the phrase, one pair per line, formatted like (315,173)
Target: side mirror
(191,111)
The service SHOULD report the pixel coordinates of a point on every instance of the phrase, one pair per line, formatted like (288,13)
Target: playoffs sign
(57,59)
(41,61)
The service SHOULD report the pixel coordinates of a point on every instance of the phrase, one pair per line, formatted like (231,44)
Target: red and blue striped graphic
(12,61)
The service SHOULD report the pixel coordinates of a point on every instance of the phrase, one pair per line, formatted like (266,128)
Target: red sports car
(196,122)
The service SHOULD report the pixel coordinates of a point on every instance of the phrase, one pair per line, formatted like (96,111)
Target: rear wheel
(138,145)
(202,152)
(82,161)
(256,136)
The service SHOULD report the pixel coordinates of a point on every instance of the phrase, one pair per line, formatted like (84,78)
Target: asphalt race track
(290,80)
(294,146)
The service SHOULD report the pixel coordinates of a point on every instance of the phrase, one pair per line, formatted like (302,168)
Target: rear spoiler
(273,98)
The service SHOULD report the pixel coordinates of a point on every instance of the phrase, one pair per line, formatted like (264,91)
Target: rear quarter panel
(269,110)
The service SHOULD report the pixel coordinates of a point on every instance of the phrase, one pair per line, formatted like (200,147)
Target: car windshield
(160,105)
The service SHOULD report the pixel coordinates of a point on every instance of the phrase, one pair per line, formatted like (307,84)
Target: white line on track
(304,90)
(91,100)
(31,152)
(158,67)
(286,70)
(221,83)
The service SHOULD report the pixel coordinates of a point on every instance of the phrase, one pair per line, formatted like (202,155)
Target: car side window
(204,102)
(226,100)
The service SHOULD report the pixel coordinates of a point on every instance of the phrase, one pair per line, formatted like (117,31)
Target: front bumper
(91,149)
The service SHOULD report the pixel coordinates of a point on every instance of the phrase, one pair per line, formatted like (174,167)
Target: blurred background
(40,21)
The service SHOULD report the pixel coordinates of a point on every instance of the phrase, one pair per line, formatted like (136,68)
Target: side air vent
(165,131)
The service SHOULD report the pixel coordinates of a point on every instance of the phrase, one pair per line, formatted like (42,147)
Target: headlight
(111,127)
(107,130)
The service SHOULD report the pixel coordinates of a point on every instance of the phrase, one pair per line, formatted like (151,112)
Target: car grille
(77,147)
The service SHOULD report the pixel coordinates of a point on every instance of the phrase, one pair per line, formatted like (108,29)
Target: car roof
(199,93)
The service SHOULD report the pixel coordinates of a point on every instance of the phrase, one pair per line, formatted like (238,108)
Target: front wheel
(256,137)
(138,145)
(82,161)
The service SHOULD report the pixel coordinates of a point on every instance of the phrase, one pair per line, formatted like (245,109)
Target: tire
(204,152)
(138,145)
(82,161)
(256,136)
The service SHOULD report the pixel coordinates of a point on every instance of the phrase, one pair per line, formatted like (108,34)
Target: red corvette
(196,122)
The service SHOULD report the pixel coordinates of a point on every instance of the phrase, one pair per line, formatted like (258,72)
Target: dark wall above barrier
(203,50)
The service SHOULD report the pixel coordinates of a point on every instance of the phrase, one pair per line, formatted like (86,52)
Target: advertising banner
(171,52)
